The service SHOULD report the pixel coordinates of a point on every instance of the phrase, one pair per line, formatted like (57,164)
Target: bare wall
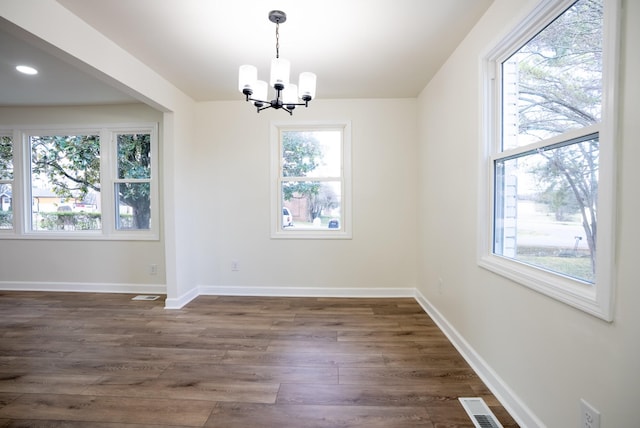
(233,209)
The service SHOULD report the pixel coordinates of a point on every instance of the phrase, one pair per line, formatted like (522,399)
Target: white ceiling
(57,83)
(357,48)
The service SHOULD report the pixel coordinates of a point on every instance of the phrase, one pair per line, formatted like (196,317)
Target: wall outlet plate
(589,416)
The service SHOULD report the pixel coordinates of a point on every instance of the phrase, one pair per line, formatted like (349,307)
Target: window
(6,182)
(311,181)
(550,145)
(65,182)
(81,183)
(133,182)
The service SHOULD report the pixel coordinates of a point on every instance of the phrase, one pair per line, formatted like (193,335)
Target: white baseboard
(181,301)
(305,291)
(86,287)
(511,402)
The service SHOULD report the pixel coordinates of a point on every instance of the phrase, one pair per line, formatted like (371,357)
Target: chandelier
(288,95)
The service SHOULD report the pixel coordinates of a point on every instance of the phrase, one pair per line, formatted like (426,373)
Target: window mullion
(22,181)
(570,137)
(107,173)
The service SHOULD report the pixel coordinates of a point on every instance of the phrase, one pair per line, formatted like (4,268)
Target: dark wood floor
(103,360)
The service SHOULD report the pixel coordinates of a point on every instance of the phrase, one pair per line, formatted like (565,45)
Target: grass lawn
(578,267)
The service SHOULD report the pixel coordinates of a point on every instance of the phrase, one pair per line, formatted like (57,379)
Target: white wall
(548,353)
(179,193)
(233,207)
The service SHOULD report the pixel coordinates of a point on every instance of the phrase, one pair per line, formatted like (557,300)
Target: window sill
(310,234)
(578,294)
(81,236)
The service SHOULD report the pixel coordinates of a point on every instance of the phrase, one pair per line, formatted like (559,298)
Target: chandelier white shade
(247,77)
(280,70)
(287,95)
(307,82)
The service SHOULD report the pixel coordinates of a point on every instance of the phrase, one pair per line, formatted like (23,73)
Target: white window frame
(277,232)
(598,298)
(108,179)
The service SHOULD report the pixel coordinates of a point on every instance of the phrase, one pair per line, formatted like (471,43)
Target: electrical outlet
(235,265)
(589,417)
(153,269)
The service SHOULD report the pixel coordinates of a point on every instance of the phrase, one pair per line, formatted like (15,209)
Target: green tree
(575,167)
(71,165)
(134,162)
(559,197)
(560,88)
(560,73)
(6,173)
(301,154)
(6,158)
(325,198)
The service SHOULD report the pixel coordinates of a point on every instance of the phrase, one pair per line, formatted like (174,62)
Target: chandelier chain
(277,40)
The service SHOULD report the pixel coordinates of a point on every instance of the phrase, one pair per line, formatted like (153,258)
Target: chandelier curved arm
(277,103)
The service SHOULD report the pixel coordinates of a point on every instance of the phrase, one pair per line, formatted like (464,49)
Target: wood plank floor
(103,360)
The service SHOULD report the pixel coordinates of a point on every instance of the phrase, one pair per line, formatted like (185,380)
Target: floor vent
(146,298)
(479,413)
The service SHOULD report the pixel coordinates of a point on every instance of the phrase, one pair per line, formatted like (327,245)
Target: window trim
(108,177)
(596,299)
(277,231)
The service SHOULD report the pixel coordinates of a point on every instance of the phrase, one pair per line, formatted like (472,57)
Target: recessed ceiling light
(26,69)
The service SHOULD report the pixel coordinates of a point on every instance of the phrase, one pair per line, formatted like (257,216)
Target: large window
(311,181)
(80,183)
(550,164)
